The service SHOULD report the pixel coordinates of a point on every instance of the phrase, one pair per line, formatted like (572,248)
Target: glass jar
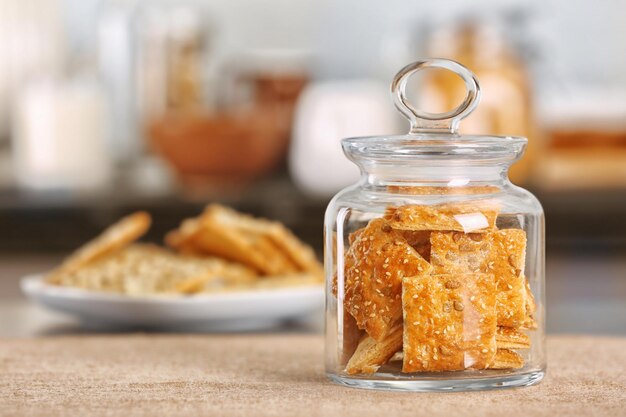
(434,259)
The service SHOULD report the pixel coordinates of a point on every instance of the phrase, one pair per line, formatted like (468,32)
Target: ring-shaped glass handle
(424,122)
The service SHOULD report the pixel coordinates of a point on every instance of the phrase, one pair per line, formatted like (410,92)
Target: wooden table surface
(273,375)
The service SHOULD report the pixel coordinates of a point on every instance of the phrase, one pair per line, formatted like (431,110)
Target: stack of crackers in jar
(440,288)
(220,250)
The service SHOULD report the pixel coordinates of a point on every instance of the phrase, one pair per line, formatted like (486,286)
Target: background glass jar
(435,260)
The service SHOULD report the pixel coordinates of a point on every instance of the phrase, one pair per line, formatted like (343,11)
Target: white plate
(232,311)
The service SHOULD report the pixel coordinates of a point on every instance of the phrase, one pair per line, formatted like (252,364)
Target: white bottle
(326,113)
(60,136)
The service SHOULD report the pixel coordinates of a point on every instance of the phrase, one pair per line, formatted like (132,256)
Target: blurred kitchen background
(109,106)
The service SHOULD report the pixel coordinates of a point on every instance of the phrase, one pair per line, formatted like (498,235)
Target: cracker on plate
(114,238)
(299,254)
(375,264)
(265,246)
(181,239)
(449,322)
(210,235)
(296,279)
(141,269)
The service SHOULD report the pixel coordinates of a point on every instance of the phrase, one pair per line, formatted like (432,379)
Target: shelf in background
(578,220)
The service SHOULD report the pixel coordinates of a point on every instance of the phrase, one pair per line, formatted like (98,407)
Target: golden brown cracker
(509,257)
(464,217)
(419,240)
(234,281)
(114,238)
(374,266)
(273,254)
(389,212)
(511,338)
(529,323)
(228,276)
(355,235)
(181,239)
(216,234)
(266,246)
(301,255)
(501,252)
(296,279)
(531,306)
(350,336)
(140,269)
(252,251)
(449,322)
(506,359)
(298,254)
(458,252)
(370,354)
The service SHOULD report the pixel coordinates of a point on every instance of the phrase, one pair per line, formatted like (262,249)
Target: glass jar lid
(435,135)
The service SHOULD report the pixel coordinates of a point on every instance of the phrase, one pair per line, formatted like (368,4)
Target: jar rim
(434,147)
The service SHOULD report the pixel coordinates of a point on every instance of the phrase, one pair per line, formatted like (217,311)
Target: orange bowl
(219,149)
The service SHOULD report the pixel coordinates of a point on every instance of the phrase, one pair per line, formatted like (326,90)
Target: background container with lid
(434,259)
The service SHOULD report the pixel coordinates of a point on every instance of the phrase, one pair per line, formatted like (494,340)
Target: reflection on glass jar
(435,260)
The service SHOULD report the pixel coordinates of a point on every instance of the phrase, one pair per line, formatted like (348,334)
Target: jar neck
(454,175)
